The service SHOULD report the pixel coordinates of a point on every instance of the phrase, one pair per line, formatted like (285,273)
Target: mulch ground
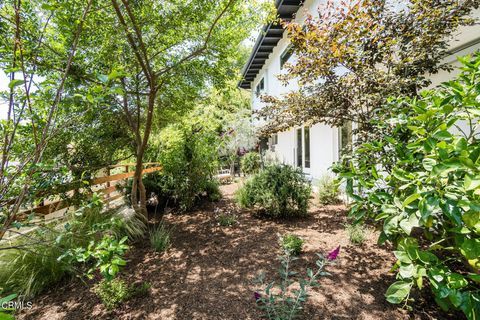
(209,270)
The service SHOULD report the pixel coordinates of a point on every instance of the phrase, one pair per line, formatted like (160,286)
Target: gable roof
(266,41)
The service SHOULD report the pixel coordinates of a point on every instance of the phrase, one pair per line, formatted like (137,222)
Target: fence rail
(105,185)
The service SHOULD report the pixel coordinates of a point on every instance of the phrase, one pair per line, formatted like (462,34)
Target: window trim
(260,87)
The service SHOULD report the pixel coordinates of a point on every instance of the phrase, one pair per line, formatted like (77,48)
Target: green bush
(226,220)
(328,190)
(45,256)
(160,238)
(427,194)
(188,153)
(277,191)
(28,270)
(250,163)
(112,293)
(292,244)
(357,233)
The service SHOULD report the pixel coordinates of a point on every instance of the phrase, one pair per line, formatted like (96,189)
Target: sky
(3,87)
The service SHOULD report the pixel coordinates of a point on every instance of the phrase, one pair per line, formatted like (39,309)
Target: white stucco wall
(324,142)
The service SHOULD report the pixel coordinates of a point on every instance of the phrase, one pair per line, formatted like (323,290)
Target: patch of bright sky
(3,87)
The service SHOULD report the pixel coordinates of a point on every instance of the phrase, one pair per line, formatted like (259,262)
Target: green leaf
(410,199)
(398,291)
(442,135)
(429,163)
(471,182)
(15,83)
(456,281)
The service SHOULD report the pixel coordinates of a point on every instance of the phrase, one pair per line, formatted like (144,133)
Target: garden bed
(209,270)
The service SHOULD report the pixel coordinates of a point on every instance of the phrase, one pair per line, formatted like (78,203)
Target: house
(315,148)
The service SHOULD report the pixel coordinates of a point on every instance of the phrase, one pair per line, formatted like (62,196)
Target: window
(287,53)
(306,137)
(273,141)
(260,87)
(303,147)
(299,148)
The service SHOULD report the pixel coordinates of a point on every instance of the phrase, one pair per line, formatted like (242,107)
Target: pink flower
(333,254)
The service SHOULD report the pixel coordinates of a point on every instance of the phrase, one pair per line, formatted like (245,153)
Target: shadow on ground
(209,270)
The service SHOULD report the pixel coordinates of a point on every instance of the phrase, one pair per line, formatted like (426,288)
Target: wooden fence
(106,185)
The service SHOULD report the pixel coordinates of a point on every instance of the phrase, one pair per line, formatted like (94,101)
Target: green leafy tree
(425,191)
(352,56)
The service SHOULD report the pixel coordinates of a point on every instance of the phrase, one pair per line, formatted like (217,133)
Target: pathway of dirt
(209,270)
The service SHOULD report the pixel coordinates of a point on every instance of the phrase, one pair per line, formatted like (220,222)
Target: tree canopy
(351,57)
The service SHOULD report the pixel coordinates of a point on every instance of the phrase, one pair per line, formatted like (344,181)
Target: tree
(38,65)
(351,57)
(114,64)
(170,44)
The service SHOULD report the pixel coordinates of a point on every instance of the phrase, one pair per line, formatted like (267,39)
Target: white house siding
(324,140)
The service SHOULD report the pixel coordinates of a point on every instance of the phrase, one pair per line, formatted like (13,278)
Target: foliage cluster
(115,292)
(421,180)
(160,238)
(292,244)
(284,300)
(250,163)
(352,55)
(328,190)
(188,153)
(226,220)
(357,233)
(277,191)
(31,263)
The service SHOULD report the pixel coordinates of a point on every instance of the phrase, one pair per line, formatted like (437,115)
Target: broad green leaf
(15,83)
(398,291)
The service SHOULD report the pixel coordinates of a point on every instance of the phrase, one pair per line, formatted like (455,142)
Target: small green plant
(160,238)
(283,301)
(226,220)
(112,292)
(35,261)
(107,256)
(115,292)
(292,244)
(31,265)
(328,190)
(250,163)
(357,233)
(141,290)
(277,191)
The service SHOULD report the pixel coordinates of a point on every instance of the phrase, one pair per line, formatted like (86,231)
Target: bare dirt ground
(208,272)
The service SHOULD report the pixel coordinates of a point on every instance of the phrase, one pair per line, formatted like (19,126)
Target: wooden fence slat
(62,204)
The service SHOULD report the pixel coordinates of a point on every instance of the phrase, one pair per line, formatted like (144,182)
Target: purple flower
(257,296)
(333,254)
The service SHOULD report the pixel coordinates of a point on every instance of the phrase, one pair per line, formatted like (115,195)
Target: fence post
(108,186)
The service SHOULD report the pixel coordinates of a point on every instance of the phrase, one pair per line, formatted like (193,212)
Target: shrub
(112,293)
(226,220)
(52,252)
(250,163)
(328,190)
(32,267)
(188,154)
(115,292)
(357,233)
(283,301)
(278,191)
(160,238)
(292,244)
(427,195)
